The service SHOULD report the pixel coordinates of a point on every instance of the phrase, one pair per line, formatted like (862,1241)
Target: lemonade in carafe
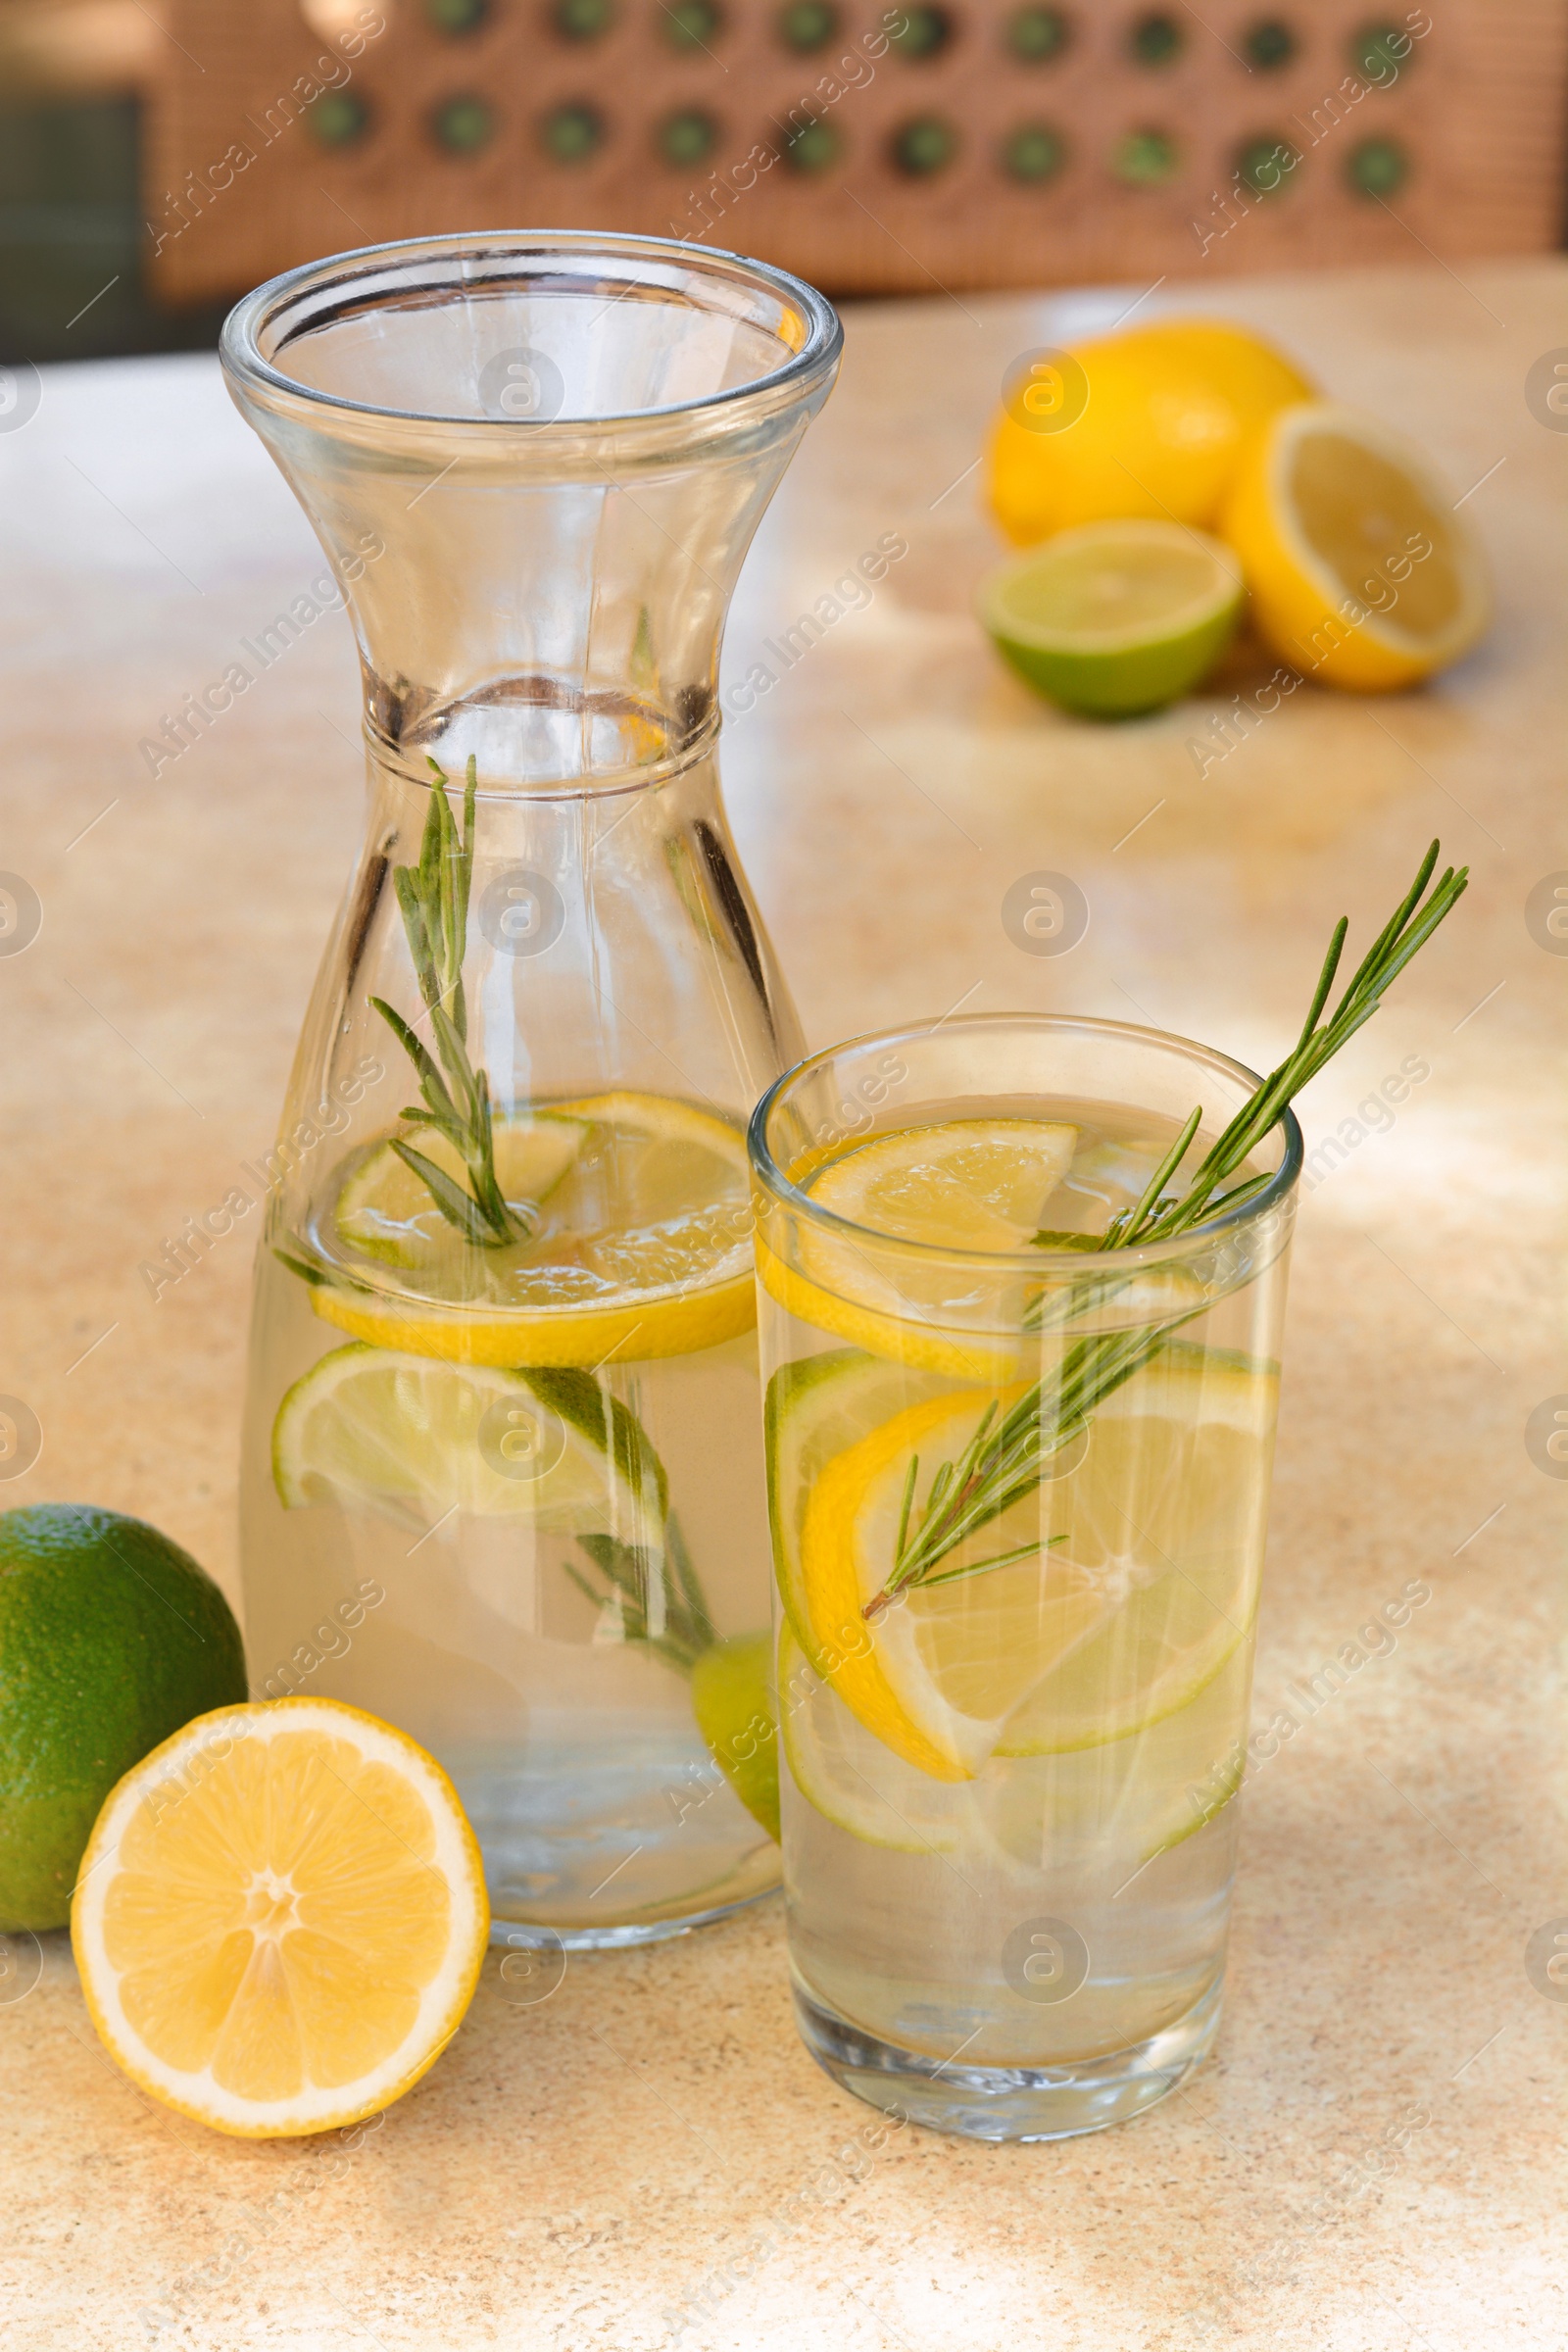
(504,1478)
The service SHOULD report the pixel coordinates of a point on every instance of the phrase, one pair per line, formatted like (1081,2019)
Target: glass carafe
(503,1480)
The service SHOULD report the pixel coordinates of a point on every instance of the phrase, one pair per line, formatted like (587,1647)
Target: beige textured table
(1374,2158)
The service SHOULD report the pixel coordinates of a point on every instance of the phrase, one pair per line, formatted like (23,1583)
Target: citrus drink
(510,1498)
(1011,1702)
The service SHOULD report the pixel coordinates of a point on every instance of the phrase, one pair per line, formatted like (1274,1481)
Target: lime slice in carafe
(368,1426)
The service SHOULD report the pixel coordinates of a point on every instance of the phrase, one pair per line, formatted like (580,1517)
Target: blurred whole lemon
(1146,424)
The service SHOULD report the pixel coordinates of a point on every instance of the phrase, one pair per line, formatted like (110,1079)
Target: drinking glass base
(1008,2102)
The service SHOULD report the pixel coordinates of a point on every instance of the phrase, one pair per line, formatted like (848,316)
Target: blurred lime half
(1116,617)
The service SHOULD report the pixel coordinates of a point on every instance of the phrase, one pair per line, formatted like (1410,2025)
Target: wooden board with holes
(975,143)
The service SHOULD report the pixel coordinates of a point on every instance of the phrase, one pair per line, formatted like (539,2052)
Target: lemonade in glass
(1019,1491)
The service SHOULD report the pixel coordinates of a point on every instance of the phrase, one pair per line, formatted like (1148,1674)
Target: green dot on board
(338,117)
(924,32)
(1380,51)
(1378,166)
(1032,152)
(815,148)
(462,126)
(456,15)
(582,19)
(926,145)
(687,137)
(1268,44)
(572,133)
(1145,158)
(1155,40)
(690,23)
(807,25)
(1265,165)
(1037,33)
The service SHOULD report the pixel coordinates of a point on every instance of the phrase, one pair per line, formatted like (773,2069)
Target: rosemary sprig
(433,899)
(1011,1453)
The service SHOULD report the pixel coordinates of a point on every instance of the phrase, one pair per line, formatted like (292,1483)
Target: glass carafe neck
(536,463)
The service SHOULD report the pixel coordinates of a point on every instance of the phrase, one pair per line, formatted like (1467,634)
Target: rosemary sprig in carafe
(433,898)
(1011,1451)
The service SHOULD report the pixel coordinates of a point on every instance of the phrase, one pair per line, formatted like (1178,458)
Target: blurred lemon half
(1362,574)
(1149,422)
(1116,617)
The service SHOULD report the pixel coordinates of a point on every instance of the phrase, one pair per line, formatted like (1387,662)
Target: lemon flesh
(1128,1579)
(1169,408)
(971,1184)
(959,1184)
(280,1919)
(385,1212)
(1116,617)
(369,1427)
(637,1246)
(1362,573)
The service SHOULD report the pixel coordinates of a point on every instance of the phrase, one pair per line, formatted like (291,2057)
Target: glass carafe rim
(246,364)
(776,1181)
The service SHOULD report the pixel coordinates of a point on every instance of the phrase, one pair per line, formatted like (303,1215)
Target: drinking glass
(1012,1684)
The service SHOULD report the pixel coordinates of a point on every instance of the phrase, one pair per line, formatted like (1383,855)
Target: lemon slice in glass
(851,1777)
(972,1184)
(1363,572)
(280,1918)
(1116,617)
(371,1428)
(1058,1644)
(638,1244)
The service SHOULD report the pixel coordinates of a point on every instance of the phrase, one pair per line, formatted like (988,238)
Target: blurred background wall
(157,157)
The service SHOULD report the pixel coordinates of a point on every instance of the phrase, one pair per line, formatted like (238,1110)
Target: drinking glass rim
(239,344)
(794,1196)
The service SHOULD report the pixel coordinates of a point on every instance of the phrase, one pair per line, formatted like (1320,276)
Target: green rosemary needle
(1011,1451)
(433,900)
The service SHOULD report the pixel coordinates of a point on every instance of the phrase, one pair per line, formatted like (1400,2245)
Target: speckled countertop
(1374,2158)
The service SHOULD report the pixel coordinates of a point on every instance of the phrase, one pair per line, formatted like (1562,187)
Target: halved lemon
(1362,573)
(638,1244)
(972,1184)
(1162,1494)
(368,1426)
(280,1918)
(1116,617)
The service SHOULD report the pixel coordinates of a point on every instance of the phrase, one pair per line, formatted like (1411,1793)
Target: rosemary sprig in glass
(433,897)
(1012,1451)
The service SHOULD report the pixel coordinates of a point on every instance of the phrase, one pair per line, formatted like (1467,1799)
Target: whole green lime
(111,1638)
